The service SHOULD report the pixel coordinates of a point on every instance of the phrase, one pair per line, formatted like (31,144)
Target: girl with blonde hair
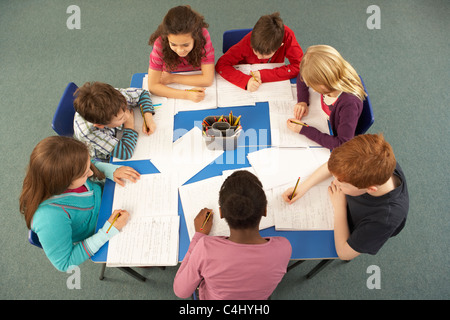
(342,94)
(61,204)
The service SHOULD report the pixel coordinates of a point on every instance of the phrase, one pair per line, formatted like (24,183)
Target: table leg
(322,264)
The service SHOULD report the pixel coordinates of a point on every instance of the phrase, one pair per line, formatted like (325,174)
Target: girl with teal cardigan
(61,198)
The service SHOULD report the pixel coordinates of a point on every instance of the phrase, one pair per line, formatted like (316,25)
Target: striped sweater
(106,142)
(65,224)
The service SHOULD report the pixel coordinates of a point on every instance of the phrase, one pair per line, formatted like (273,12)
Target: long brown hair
(54,163)
(181,20)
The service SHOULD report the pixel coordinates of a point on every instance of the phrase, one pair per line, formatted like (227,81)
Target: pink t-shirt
(227,270)
(156,61)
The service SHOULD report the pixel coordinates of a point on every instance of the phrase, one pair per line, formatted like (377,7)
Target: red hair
(364,161)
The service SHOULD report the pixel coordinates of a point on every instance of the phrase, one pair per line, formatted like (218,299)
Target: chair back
(62,122)
(366,119)
(33,239)
(231,37)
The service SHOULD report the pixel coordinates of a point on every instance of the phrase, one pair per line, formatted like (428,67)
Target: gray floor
(405,66)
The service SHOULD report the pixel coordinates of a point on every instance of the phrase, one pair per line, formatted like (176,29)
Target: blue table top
(305,244)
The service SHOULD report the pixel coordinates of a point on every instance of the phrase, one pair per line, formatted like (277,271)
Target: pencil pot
(220,134)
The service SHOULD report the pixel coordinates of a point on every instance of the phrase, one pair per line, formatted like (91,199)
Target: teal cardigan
(65,224)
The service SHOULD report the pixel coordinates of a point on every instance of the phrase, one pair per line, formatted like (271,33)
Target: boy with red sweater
(270,41)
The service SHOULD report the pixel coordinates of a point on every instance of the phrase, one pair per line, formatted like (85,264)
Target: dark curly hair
(181,20)
(242,200)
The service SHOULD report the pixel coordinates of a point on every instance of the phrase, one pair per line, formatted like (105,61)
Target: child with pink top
(243,265)
(181,43)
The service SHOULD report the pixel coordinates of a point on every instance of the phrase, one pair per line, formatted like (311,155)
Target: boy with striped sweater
(104,119)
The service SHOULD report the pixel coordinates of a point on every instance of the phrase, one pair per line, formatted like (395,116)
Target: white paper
(277,166)
(146,241)
(152,195)
(313,211)
(189,156)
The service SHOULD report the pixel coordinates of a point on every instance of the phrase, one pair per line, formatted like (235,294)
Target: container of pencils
(221,132)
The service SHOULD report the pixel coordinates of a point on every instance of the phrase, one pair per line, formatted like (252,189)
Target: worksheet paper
(189,156)
(146,241)
(229,94)
(151,195)
(313,211)
(277,166)
(205,194)
(209,102)
(281,111)
(150,236)
(160,141)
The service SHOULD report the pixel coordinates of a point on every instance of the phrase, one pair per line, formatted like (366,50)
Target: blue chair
(33,239)
(366,118)
(231,37)
(62,122)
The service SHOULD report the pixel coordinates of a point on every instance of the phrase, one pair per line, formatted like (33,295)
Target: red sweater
(242,53)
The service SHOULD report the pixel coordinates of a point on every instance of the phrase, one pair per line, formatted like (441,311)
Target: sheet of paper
(159,142)
(189,155)
(281,111)
(311,212)
(146,241)
(209,102)
(277,166)
(152,195)
(230,95)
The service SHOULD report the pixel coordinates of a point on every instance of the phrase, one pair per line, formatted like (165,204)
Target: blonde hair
(323,65)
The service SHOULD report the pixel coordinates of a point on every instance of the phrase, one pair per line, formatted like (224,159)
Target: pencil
(237,121)
(230,117)
(295,188)
(254,78)
(117,215)
(142,112)
(194,90)
(206,220)
(300,123)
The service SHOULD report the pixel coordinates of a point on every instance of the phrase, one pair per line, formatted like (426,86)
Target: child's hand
(300,110)
(196,94)
(151,125)
(121,220)
(337,197)
(294,127)
(252,84)
(127,173)
(200,220)
(297,195)
(129,123)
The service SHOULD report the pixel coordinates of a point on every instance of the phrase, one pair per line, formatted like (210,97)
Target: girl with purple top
(243,265)
(181,43)
(342,94)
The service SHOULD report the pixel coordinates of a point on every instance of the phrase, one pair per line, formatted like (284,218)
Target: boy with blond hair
(104,119)
(369,194)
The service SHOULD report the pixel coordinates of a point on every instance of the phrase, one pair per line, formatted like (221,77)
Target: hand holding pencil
(203,221)
(195,94)
(295,125)
(118,219)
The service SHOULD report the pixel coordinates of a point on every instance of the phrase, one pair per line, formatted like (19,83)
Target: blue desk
(305,244)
